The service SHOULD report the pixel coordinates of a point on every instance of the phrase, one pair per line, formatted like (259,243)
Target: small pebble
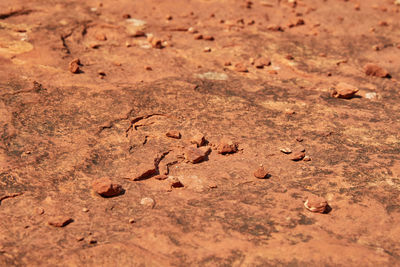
(286,150)
(316,204)
(60,221)
(297,156)
(261,173)
(174,134)
(207,49)
(344,90)
(227,146)
(106,188)
(148,202)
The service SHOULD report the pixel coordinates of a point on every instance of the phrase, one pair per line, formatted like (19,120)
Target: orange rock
(60,221)
(240,67)
(261,173)
(344,90)
(316,204)
(297,156)
(196,155)
(372,69)
(174,134)
(226,146)
(106,188)
(198,139)
(74,65)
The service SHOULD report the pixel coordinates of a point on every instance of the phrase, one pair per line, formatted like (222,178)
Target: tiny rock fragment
(207,49)
(92,241)
(148,68)
(85,210)
(274,27)
(198,139)
(240,67)
(196,155)
(175,183)
(316,204)
(192,30)
(226,146)
(344,90)
(261,62)
(60,221)
(208,38)
(383,23)
(161,177)
(227,63)
(101,36)
(307,158)
(101,73)
(372,69)
(297,156)
(157,43)
(74,65)
(148,202)
(174,134)
(286,150)
(212,185)
(198,37)
(126,16)
(94,45)
(39,211)
(80,238)
(299,139)
(106,188)
(261,173)
(289,57)
(168,17)
(131,221)
(272,72)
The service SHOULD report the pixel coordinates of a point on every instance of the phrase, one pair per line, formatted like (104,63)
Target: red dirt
(264,83)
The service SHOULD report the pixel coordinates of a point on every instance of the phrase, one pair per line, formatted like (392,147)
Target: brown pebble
(316,204)
(148,68)
(240,67)
(297,156)
(174,134)
(208,38)
(126,16)
(274,27)
(344,90)
(157,43)
(198,37)
(74,65)
(39,211)
(131,221)
(106,188)
(228,63)
(227,146)
(80,238)
(60,221)
(196,155)
(261,173)
(143,171)
(307,158)
(175,183)
(207,49)
(261,62)
(272,72)
(101,36)
(372,69)
(148,202)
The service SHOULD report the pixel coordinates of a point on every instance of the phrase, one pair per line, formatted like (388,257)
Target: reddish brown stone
(208,38)
(106,188)
(261,62)
(174,134)
(374,70)
(240,67)
(226,146)
(175,183)
(101,36)
(297,156)
(60,221)
(74,65)
(344,90)
(316,204)
(261,173)
(198,139)
(197,155)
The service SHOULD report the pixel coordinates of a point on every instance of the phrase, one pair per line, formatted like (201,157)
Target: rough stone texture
(197,155)
(106,188)
(227,146)
(60,131)
(261,173)
(344,90)
(372,69)
(60,221)
(316,204)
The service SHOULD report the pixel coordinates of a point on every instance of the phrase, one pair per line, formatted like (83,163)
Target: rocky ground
(199,133)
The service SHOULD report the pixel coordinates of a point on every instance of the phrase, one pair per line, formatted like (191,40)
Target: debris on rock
(316,204)
(174,134)
(372,69)
(148,202)
(106,188)
(60,221)
(197,155)
(298,156)
(344,90)
(261,173)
